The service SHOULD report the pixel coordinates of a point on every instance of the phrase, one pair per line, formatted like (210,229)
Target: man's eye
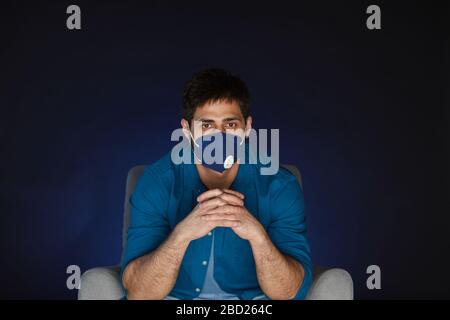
(206,125)
(231,125)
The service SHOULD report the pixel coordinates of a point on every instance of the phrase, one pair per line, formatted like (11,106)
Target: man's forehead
(218,110)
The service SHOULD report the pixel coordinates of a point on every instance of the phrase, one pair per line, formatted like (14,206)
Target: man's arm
(152,276)
(279,275)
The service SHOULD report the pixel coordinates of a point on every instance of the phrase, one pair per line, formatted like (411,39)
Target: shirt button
(197,289)
(209,233)
(205,263)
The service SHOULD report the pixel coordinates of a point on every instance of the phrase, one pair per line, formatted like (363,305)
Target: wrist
(179,238)
(260,238)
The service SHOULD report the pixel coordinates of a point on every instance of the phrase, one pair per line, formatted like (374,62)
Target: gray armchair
(103,283)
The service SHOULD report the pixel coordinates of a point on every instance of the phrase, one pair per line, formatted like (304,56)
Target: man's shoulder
(273,185)
(161,171)
(279,192)
(279,179)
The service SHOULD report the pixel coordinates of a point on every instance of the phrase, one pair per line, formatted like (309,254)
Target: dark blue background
(363,114)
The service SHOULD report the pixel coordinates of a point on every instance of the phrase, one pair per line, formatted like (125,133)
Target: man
(199,233)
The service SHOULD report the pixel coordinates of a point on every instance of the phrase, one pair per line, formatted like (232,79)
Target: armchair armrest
(331,284)
(102,283)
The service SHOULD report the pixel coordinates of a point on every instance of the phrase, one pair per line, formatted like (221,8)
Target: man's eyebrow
(205,120)
(232,119)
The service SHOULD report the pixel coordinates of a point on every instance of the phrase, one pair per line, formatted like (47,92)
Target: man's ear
(185,126)
(248,126)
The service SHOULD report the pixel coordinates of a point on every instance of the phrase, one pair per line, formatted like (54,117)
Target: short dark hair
(213,85)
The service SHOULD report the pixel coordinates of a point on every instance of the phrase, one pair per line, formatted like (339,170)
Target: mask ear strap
(197,145)
(242,138)
(193,140)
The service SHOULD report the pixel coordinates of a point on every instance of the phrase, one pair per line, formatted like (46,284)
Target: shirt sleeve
(287,229)
(148,226)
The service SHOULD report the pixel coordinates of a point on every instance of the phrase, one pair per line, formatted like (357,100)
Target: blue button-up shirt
(211,289)
(166,193)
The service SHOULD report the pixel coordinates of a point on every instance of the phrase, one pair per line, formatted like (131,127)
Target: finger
(236,193)
(219,216)
(225,209)
(232,199)
(209,194)
(224,223)
(212,203)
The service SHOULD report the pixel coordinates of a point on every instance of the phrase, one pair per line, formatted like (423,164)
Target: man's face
(216,116)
